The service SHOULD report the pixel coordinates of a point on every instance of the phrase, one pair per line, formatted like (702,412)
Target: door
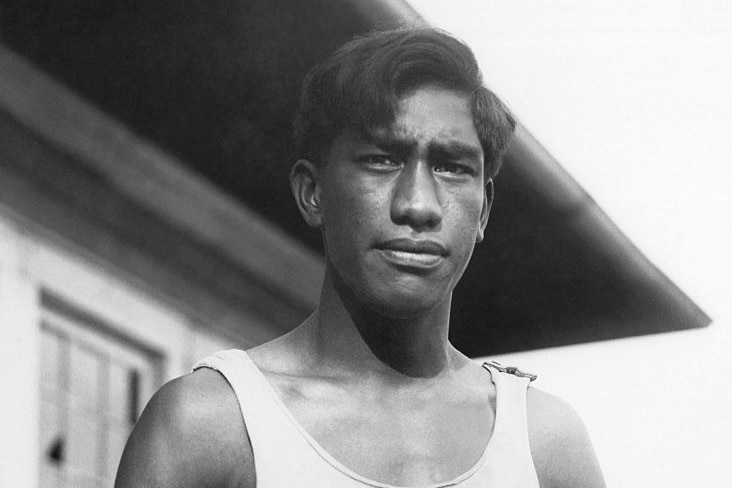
(93,387)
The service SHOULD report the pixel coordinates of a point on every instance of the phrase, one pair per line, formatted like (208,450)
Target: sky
(634,99)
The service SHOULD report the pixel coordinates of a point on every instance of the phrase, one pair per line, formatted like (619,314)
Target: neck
(352,337)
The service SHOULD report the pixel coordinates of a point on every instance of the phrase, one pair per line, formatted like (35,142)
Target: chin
(401,303)
(392,295)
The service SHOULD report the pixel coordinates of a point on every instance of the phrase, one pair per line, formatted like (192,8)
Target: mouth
(413,253)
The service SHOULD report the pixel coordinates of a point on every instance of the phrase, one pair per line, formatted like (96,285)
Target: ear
(486,210)
(306,190)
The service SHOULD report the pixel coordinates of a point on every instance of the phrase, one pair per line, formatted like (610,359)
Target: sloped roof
(216,86)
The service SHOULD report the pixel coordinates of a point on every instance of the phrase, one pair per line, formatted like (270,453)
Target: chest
(405,438)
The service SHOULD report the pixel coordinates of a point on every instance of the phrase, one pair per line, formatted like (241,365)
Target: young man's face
(402,211)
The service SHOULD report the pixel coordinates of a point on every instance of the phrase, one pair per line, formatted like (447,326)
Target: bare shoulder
(190,434)
(560,446)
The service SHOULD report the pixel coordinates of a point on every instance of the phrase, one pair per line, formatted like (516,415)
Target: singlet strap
(511,434)
(268,424)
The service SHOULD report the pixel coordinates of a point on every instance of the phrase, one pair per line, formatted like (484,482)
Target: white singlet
(285,455)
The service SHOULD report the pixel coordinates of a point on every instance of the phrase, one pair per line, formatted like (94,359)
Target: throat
(413,353)
(376,343)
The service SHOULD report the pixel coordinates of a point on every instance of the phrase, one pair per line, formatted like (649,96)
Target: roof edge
(157,181)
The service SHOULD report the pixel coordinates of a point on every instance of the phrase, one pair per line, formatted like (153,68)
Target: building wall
(118,270)
(39,277)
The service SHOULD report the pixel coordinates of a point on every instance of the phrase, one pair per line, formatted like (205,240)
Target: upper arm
(190,435)
(560,446)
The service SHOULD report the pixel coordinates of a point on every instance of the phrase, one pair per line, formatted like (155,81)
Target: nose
(416,201)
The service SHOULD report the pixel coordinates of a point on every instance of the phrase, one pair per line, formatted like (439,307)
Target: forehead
(427,118)
(434,113)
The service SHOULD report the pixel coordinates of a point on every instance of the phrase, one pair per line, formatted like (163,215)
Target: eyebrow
(451,149)
(455,150)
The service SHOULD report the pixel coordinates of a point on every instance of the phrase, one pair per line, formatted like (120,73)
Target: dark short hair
(359,87)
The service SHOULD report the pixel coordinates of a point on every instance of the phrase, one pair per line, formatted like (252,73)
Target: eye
(454,168)
(379,161)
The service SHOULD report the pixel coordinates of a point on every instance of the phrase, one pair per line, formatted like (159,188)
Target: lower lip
(412,259)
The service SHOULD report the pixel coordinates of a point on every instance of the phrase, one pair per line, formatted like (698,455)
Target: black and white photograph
(365,243)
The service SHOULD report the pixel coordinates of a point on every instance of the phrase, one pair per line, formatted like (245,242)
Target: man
(398,143)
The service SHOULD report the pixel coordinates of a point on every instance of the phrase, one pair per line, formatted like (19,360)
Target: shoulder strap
(511,431)
(269,428)
(508,460)
(284,454)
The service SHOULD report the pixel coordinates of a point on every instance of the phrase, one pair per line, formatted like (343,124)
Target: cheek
(465,210)
(352,205)
(345,222)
